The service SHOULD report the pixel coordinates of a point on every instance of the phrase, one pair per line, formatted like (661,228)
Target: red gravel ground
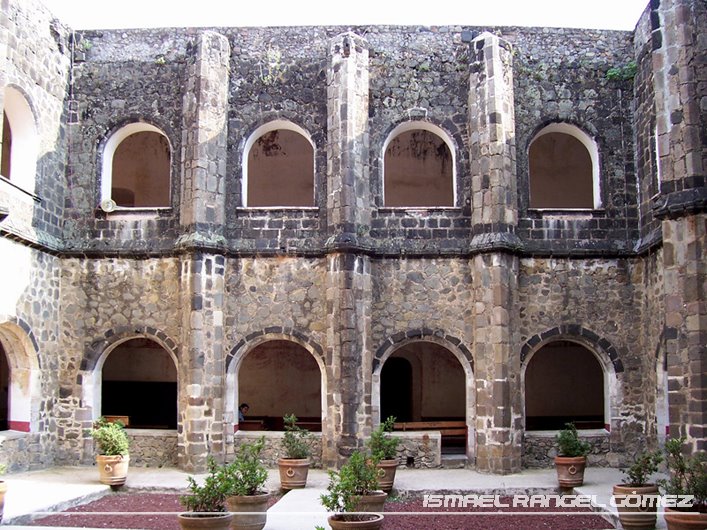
(151,504)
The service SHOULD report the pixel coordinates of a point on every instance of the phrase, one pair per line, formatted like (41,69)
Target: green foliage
(687,475)
(111,437)
(622,73)
(382,445)
(297,440)
(643,466)
(209,497)
(358,476)
(246,475)
(569,444)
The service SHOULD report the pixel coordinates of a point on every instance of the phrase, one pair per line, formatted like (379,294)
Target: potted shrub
(206,502)
(297,444)
(112,447)
(634,510)
(687,475)
(571,459)
(243,485)
(352,495)
(384,449)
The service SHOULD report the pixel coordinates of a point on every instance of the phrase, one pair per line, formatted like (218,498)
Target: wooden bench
(454,432)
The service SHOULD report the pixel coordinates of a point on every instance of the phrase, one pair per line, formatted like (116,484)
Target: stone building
(498,227)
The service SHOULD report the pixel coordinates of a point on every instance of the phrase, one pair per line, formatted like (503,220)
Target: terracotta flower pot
(636,513)
(113,470)
(373,502)
(343,521)
(570,470)
(201,521)
(293,472)
(249,511)
(678,520)
(386,474)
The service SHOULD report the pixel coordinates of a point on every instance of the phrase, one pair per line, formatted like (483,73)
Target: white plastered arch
(588,142)
(260,131)
(25,139)
(25,377)
(112,144)
(417,125)
(93,383)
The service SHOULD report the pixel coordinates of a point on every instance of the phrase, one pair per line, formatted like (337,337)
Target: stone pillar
(202,214)
(494,219)
(204,142)
(348,276)
(201,368)
(680,84)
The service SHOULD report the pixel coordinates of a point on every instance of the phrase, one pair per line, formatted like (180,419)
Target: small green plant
(111,437)
(622,73)
(569,444)
(246,475)
(643,466)
(382,444)
(358,476)
(208,497)
(297,441)
(687,475)
(86,45)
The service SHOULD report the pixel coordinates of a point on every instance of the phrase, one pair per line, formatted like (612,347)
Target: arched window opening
(564,382)
(139,383)
(563,169)
(432,386)
(280,167)
(276,378)
(137,168)
(4,390)
(419,170)
(20,141)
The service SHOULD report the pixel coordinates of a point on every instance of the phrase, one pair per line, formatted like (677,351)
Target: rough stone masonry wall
(605,298)
(35,62)
(103,303)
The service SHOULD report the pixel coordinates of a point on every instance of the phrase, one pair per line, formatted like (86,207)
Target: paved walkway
(29,494)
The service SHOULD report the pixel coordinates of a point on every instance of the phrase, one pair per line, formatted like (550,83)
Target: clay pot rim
(205,515)
(344,516)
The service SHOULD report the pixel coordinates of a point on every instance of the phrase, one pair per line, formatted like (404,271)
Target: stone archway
(411,345)
(23,393)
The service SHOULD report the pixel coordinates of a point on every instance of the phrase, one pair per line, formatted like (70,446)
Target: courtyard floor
(34,494)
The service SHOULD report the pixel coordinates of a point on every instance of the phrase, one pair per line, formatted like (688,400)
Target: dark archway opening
(396,389)
(140,383)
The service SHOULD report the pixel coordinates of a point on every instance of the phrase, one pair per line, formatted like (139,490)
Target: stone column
(494,219)
(202,214)
(348,275)
(204,142)
(680,84)
(202,366)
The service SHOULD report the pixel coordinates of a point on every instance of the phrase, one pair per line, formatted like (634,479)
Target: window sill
(418,210)
(121,212)
(567,212)
(279,208)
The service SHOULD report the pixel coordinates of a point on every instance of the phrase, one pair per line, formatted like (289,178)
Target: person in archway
(242,411)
